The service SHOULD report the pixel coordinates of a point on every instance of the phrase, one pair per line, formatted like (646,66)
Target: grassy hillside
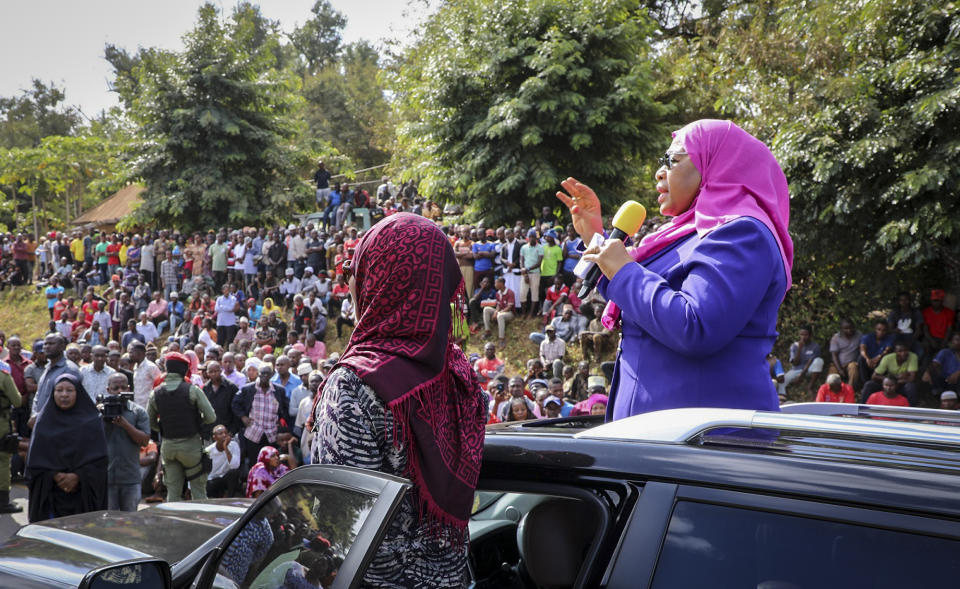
(23,312)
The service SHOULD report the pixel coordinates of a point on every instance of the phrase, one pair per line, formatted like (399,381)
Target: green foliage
(346,106)
(317,42)
(878,164)
(38,112)
(78,170)
(220,143)
(501,99)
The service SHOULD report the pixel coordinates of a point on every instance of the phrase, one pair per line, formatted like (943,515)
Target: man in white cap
(289,287)
(948,400)
(309,281)
(301,391)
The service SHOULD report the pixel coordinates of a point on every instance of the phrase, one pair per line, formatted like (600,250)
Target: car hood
(66,548)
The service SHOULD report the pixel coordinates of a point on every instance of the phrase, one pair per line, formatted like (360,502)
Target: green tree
(502,99)
(876,167)
(347,107)
(317,42)
(53,182)
(40,111)
(220,139)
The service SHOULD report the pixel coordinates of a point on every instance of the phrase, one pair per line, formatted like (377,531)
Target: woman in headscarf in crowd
(595,404)
(698,298)
(404,400)
(67,460)
(265,472)
(268,307)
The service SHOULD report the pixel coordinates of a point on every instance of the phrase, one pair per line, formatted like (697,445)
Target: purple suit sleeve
(725,278)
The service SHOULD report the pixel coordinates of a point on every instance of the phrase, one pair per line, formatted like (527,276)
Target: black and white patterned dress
(352,428)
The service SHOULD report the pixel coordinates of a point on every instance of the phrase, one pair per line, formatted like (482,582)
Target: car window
(302,535)
(717,546)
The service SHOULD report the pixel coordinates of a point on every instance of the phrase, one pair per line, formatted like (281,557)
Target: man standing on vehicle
(177,409)
(125,435)
(322,179)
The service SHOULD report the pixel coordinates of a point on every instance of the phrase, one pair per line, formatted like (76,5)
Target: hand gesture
(584,208)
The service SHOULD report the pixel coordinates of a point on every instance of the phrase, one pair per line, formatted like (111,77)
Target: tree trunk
(36,227)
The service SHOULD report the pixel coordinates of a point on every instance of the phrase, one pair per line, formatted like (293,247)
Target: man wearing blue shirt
(484,251)
(873,347)
(51,293)
(174,313)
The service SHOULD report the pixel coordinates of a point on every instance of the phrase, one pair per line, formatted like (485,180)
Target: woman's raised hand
(584,208)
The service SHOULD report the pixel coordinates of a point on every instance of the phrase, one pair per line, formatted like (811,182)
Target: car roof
(859,454)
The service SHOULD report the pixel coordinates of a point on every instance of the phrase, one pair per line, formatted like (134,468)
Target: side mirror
(141,573)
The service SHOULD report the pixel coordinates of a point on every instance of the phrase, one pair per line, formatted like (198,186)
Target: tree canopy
(219,138)
(500,99)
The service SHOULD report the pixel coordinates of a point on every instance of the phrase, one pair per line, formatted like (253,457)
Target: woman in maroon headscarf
(404,400)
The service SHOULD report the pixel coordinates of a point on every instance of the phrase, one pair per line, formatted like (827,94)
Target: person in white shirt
(224,477)
(103,318)
(289,287)
(145,373)
(306,408)
(96,375)
(147,329)
(308,283)
(346,316)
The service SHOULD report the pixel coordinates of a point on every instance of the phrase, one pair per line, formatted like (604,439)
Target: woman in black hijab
(67,461)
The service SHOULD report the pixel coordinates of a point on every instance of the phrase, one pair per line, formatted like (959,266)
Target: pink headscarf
(740,178)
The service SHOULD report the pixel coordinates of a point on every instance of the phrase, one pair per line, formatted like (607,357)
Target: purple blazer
(698,319)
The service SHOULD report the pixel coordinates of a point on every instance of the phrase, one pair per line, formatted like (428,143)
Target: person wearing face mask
(697,299)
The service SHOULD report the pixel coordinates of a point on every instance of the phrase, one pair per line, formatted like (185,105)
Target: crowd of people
(211,347)
(910,357)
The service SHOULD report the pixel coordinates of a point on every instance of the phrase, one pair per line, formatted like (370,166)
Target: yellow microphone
(626,222)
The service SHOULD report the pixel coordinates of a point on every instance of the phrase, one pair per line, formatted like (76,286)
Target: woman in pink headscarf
(697,300)
(265,472)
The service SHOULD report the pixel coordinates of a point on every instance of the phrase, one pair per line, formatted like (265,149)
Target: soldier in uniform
(10,399)
(177,409)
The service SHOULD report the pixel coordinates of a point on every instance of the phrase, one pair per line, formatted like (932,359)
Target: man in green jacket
(177,409)
(11,398)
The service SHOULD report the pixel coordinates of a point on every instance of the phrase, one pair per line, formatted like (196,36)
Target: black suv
(819,495)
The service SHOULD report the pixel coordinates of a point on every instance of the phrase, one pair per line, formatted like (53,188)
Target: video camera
(111,406)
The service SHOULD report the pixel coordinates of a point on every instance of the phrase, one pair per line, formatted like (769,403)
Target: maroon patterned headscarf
(407,277)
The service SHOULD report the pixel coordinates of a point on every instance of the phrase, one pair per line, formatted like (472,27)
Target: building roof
(114,208)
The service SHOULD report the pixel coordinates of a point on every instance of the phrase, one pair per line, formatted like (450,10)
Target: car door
(691,536)
(319,523)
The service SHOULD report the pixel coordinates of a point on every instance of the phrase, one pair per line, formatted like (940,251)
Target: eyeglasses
(667,160)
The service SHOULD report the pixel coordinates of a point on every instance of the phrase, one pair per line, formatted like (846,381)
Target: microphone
(626,222)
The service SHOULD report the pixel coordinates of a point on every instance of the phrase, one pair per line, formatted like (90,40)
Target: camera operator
(11,398)
(177,409)
(126,433)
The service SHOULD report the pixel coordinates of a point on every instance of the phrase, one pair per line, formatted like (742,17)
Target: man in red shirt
(889,395)
(835,391)
(503,312)
(489,367)
(937,321)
